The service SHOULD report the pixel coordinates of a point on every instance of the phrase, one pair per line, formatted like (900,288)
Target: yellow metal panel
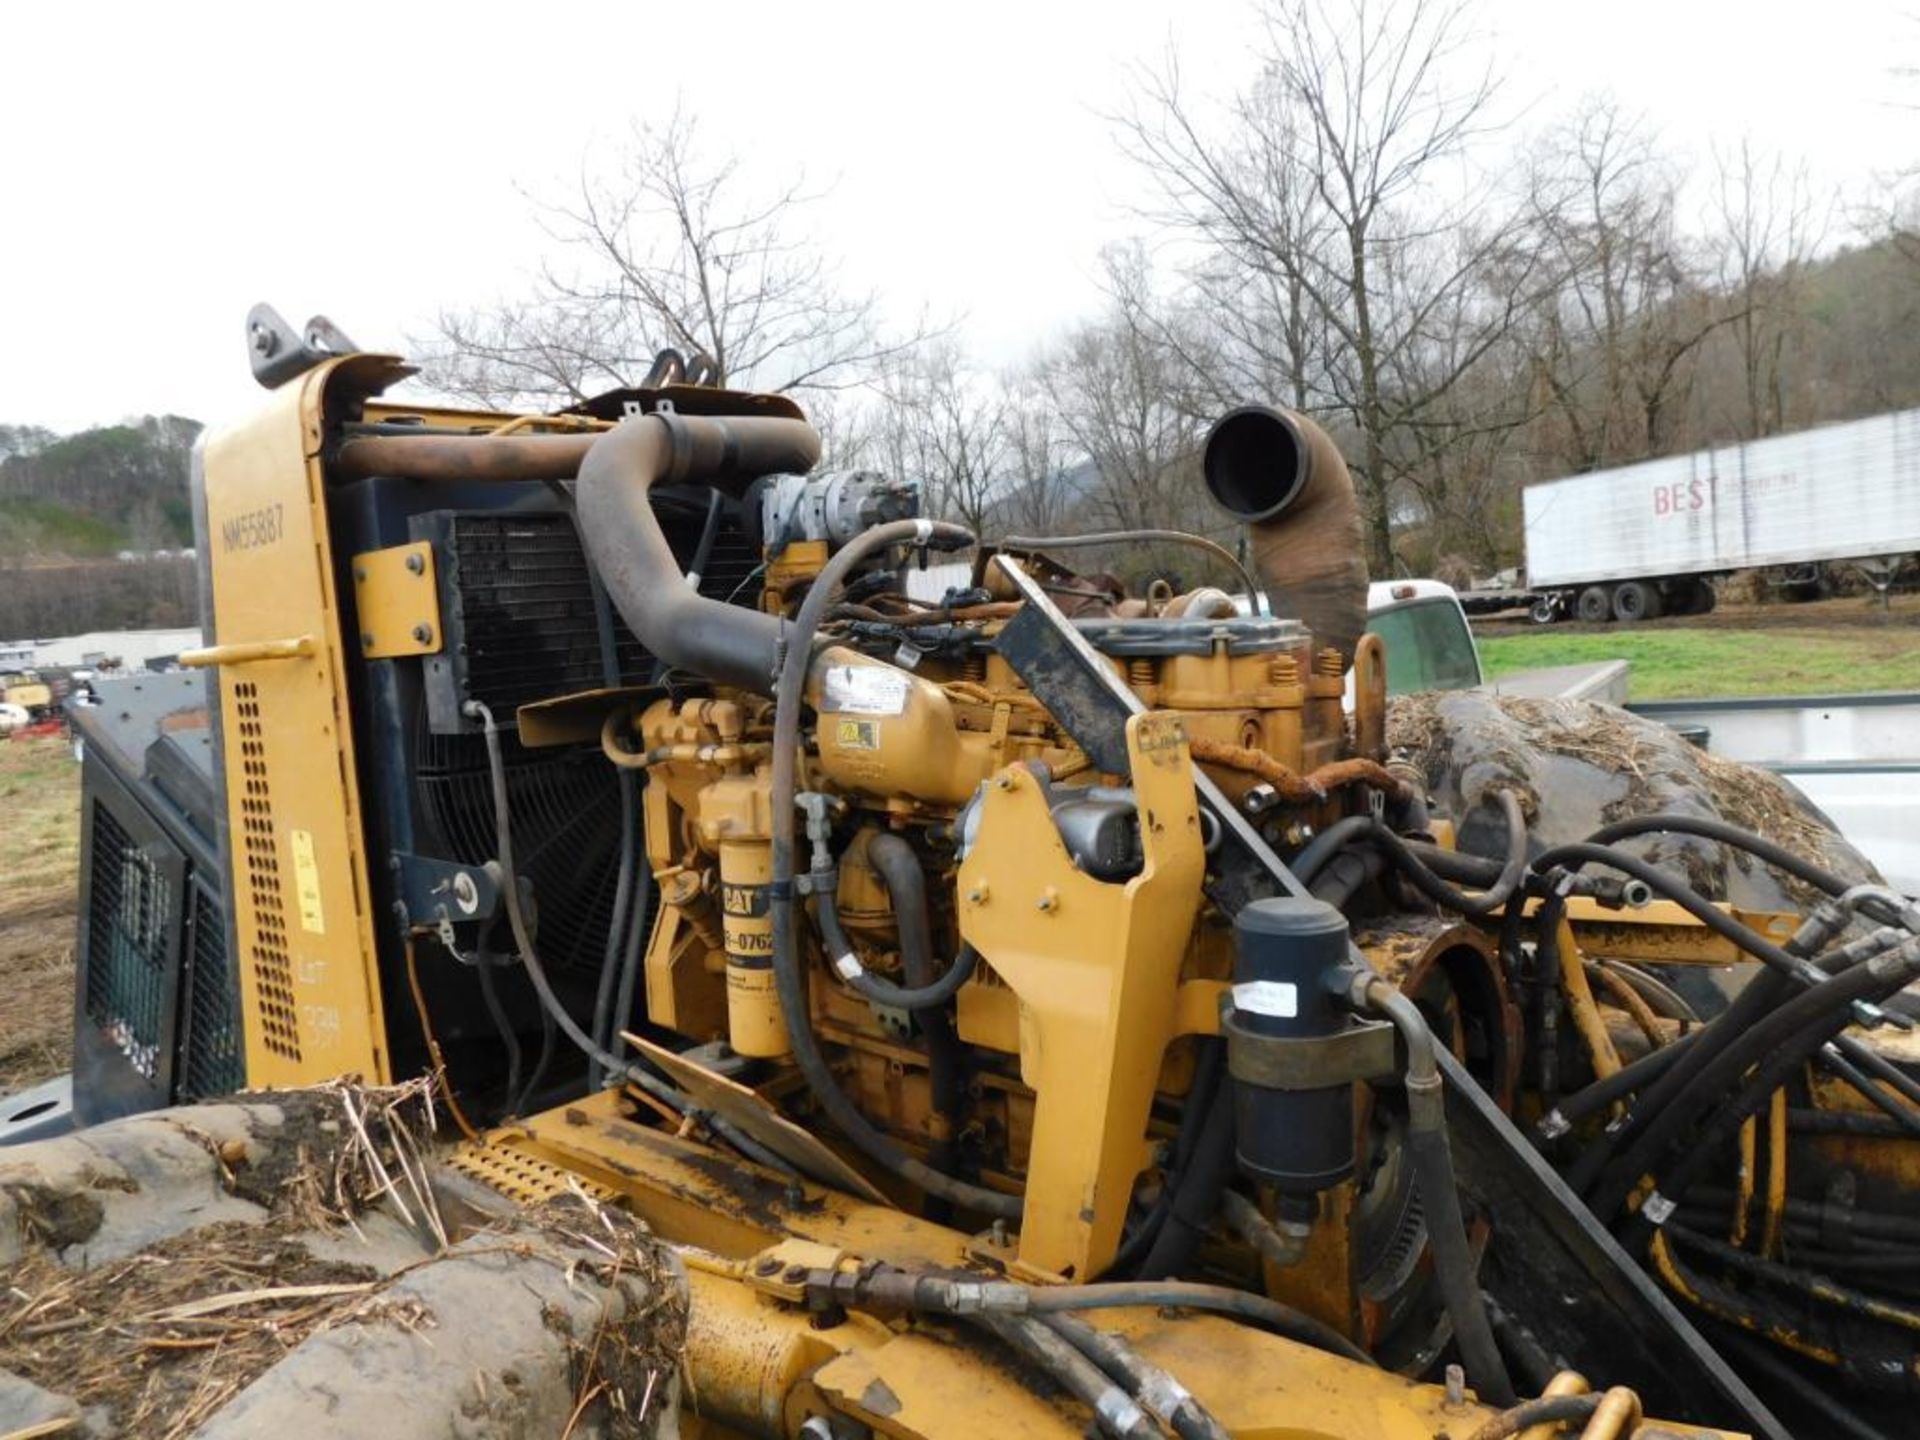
(309,987)
(397,601)
(1096,967)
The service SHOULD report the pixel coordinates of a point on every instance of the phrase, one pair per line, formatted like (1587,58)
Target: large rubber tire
(1705,598)
(1636,600)
(1544,611)
(1595,605)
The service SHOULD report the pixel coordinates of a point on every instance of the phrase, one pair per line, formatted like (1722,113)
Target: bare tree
(1769,226)
(1616,340)
(670,245)
(1326,181)
(945,425)
(1117,388)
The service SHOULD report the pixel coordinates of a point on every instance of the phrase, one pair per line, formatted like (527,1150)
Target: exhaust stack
(1282,476)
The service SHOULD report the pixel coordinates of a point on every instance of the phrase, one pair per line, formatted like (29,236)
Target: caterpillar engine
(927,972)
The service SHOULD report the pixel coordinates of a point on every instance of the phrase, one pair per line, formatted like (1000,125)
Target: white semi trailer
(1639,541)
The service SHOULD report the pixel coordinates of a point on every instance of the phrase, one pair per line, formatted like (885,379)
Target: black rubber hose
(1115,1413)
(630,960)
(1447,896)
(789,981)
(1617,1086)
(1761,1356)
(1732,835)
(1267,1314)
(537,972)
(1164,1397)
(1835,1060)
(1209,1068)
(629,827)
(1432,1157)
(905,880)
(490,996)
(1811,1013)
(877,988)
(1346,874)
(1194,1194)
(1319,850)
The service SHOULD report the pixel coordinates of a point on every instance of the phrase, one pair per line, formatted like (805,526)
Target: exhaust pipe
(1282,476)
(727,643)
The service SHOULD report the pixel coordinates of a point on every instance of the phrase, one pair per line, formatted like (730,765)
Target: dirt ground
(1843,612)
(39,861)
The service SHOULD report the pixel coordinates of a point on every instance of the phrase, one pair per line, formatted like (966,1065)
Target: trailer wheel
(1545,610)
(1595,606)
(1636,600)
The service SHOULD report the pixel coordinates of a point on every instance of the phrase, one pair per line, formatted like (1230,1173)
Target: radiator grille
(523,626)
(212,1053)
(128,920)
(272,964)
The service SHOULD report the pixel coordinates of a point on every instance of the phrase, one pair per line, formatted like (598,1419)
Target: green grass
(31,526)
(1680,664)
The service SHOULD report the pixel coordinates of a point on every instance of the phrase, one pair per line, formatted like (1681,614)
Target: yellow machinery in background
(1036,1008)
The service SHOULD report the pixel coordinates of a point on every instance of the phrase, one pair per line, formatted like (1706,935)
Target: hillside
(90,495)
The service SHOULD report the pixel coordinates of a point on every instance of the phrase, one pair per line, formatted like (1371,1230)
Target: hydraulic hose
(1432,1157)
(1164,1397)
(877,988)
(1194,1194)
(905,879)
(1512,871)
(537,972)
(1209,1071)
(1322,848)
(963,1294)
(1553,1410)
(1116,1414)
(1817,1012)
(789,981)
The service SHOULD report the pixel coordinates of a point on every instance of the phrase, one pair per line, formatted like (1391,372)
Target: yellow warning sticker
(306,882)
(858,735)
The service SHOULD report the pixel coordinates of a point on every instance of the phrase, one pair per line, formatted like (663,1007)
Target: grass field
(1682,664)
(39,862)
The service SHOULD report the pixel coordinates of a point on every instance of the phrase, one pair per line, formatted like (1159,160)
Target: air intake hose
(726,643)
(1282,476)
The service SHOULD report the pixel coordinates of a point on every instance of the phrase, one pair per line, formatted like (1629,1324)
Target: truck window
(1429,647)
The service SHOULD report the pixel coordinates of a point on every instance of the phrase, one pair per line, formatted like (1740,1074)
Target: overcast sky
(165,166)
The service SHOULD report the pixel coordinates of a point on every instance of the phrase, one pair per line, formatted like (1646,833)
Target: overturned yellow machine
(1034,1010)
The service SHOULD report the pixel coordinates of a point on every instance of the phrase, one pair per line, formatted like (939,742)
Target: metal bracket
(278,352)
(1364,1051)
(436,893)
(1082,691)
(397,600)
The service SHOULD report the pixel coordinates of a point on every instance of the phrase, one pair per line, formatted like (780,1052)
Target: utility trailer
(1639,541)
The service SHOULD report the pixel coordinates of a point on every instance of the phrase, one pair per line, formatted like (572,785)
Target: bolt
(263,340)
(795,1274)
(417,563)
(766,1267)
(360,572)
(1049,900)
(366,638)
(423,633)
(999,1234)
(1456,1387)
(977,895)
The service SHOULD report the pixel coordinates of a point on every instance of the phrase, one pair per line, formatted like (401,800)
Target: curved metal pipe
(726,643)
(615,470)
(1282,476)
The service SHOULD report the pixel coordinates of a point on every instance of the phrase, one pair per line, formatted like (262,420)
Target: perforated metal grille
(212,1053)
(520,1177)
(272,965)
(129,912)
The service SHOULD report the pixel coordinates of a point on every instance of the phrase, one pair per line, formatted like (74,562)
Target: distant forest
(71,506)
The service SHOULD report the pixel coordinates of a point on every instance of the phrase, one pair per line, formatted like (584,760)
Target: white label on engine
(1278,998)
(865,690)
